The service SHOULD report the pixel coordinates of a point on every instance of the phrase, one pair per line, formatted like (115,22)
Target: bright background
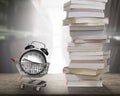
(59,56)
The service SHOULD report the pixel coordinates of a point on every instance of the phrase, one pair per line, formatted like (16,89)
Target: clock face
(33,62)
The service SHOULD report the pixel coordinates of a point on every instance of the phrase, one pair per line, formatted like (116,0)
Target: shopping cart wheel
(38,88)
(22,86)
(44,85)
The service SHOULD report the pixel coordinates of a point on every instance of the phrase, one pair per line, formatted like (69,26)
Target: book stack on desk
(88,58)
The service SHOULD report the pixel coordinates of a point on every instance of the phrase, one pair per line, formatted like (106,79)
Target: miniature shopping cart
(32,64)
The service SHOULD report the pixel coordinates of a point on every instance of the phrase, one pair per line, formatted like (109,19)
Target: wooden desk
(9,84)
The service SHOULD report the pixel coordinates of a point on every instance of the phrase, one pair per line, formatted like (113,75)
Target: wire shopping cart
(32,64)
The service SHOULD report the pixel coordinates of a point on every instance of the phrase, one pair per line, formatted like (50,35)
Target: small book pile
(88,57)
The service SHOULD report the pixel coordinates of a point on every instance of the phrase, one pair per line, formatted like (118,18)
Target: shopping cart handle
(13,59)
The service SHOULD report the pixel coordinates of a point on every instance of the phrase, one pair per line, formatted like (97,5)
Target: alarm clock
(33,62)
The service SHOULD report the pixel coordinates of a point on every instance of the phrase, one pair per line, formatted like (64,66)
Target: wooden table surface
(56,84)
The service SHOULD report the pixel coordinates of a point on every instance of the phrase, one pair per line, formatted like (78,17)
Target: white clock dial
(32,62)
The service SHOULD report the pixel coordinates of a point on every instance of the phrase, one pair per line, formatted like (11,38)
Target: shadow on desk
(90,91)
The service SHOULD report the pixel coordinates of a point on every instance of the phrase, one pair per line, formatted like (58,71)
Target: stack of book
(88,57)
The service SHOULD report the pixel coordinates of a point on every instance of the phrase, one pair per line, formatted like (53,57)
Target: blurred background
(22,21)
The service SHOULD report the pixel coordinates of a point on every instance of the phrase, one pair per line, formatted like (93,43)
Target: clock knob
(44,51)
(29,47)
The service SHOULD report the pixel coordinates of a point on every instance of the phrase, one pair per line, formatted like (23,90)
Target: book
(85,14)
(83,10)
(96,28)
(90,37)
(85,20)
(79,33)
(84,2)
(88,65)
(81,6)
(87,24)
(84,71)
(87,32)
(85,53)
(96,65)
(89,53)
(88,57)
(92,41)
(105,1)
(88,61)
(85,49)
(72,44)
(74,77)
(85,83)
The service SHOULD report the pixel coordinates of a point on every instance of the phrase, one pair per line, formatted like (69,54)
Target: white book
(87,49)
(72,44)
(80,6)
(87,28)
(87,57)
(88,37)
(86,24)
(84,2)
(100,0)
(75,77)
(85,83)
(85,20)
(86,53)
(78,41)
(87,65)
(89,53)
(85,14)
(86,33)
(83,71)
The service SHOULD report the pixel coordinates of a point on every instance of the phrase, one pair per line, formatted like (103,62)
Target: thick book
(85,83)
(74,77)
(84,71)
(85,20)
(85,14)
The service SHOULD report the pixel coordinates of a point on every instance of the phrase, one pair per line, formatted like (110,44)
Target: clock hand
(31,61)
